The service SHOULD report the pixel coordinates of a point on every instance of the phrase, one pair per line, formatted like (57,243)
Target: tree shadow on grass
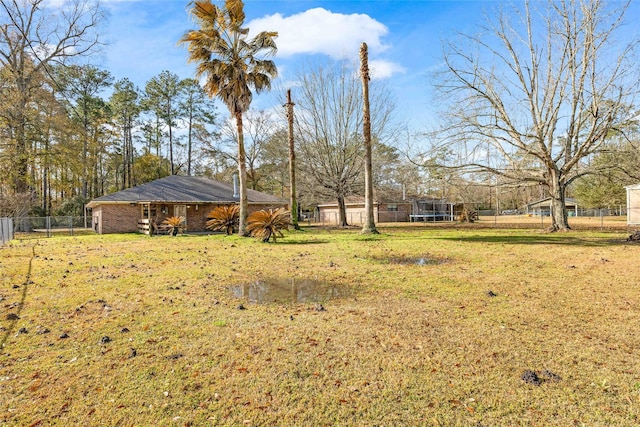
(25,285)
(300,242)
(542,239)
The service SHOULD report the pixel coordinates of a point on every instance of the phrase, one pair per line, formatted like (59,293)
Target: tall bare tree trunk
(560,220)
(342,212)
(22,155)
(369,225)
(242,172)
(173,170)
(132,178)
(189,143)
(292,165)
(85,149)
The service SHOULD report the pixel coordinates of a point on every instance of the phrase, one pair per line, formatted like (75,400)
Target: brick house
(135,208)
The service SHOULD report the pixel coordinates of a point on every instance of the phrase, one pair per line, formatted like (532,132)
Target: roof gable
(569,202)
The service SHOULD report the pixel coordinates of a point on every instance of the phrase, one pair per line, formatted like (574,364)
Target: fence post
(48,226)
(6,230)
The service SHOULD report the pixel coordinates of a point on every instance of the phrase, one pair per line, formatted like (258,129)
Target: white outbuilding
(633,204)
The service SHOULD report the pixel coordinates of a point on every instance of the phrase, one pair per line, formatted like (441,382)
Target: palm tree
(229,62)
(369,226)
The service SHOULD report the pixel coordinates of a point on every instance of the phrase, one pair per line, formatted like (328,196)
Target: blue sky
(404,39)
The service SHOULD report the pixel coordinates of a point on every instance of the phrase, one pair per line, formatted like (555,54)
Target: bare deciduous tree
(258,127)
(329,126)
(542,86)
(34,35)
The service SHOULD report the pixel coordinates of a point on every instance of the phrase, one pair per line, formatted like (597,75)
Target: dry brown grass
(412,345)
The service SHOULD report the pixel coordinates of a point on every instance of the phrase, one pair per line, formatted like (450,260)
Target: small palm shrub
(468,216)
(173,224)
(224,218)
(269,224)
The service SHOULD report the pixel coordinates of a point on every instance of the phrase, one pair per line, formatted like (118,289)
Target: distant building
(388,211)
(633,204)
(354,207)
(138,208)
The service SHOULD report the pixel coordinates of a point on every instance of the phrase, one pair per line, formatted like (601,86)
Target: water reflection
(289,290)
(415,260)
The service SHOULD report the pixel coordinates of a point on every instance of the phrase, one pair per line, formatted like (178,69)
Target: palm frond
(265,41)
(224,218)
(174,224)
(235,8)
(267,225)
(224,55)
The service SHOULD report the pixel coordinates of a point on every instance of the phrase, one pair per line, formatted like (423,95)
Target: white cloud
(321,31)
(381,69)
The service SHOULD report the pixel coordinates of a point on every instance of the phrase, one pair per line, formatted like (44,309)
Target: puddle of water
(414,260)
(283,290)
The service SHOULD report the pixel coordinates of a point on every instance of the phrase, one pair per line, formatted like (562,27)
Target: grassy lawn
(131,330)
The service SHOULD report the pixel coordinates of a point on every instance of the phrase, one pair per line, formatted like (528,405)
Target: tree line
(78,134)
(539,103)
(79,144)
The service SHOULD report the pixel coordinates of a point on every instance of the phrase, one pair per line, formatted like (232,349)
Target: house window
(145,211)
(393,208)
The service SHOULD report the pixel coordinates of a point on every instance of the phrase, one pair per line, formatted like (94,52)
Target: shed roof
(182,189)
(359,201)
(546,202)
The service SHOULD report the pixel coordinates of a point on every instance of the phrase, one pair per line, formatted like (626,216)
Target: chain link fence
(48,226)
(597,218)
(604,219)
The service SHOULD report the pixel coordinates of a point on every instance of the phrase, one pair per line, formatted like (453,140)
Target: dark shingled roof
(183,189)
